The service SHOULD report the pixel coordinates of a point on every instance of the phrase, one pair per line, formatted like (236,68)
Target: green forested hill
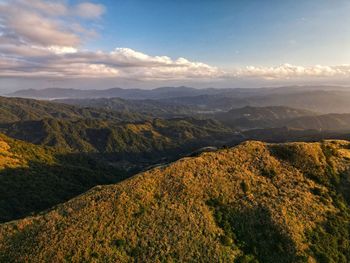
(34,178)
(155,108)
(256,202)
(148,141)
(18,109)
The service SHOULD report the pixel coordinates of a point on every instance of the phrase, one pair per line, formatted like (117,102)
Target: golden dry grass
(162,215)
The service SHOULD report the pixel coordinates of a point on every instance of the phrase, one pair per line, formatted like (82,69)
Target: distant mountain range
(248,118)
(158,93)
(314,100)
(165,102)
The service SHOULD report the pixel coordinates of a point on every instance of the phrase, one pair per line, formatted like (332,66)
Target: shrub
(119,243)
(268,172)
(245,187)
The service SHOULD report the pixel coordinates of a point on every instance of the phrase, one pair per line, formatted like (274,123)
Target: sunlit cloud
(288,71)
(89,10)
(46,39)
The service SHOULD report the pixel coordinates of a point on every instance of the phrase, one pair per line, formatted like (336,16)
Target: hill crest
(199,208)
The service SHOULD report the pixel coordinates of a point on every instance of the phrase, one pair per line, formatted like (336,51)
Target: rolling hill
(19,109)
(330,122)
(138,144)
(260,117)
(34,178)
(248,118)
(256,202)
(154,108)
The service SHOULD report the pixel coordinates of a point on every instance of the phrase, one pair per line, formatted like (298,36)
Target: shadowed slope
(34,178)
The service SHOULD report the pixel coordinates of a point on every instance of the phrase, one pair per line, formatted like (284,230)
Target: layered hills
(158,93)
(260,117)
(155,108)
(137,143)
(256,202)
(323,99)
(248,118)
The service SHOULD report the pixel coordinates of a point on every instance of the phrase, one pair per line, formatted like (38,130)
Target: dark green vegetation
(119,133)
(137,143)
(218,207)
(34,178)
(17,109)
(127,139)
(254,231)
(154,108)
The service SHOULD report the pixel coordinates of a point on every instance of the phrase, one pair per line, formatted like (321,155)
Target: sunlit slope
(34,178)
(253,203)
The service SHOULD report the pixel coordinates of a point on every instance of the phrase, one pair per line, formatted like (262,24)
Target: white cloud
(122,62)
(45,23)
(288,71)
(54,8)
(41,38)
(35,29)
(62,50)
(89,10)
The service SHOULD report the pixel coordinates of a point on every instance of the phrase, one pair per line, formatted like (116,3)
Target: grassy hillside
(253,203)
(34,178)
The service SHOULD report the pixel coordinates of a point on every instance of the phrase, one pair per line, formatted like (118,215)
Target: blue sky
(150,43)
(231,33)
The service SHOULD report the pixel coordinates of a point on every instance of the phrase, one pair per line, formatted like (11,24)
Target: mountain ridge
(256,201)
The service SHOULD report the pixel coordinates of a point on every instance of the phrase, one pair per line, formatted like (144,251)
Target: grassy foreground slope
(256,202)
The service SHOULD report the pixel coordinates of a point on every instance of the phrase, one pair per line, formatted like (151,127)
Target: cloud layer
(288,71)
(46,38)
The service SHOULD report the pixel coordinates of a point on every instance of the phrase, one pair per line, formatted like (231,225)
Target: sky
(200,43)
